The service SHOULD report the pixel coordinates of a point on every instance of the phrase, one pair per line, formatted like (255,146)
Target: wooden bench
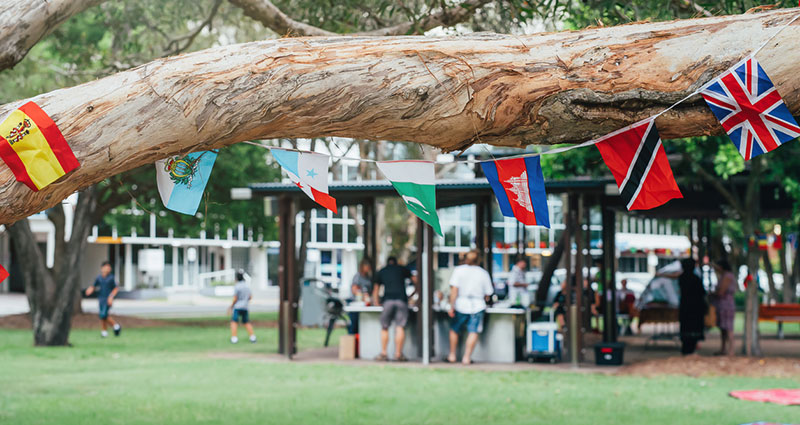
(779,313)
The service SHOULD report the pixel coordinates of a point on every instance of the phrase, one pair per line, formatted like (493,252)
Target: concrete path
(176,305)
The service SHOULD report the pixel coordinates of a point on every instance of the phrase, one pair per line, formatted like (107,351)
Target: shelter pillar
(608,274)
(287,278)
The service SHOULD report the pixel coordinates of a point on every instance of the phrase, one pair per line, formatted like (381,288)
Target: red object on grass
(778,396)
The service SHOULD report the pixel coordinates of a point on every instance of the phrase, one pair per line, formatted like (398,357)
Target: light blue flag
(183,179)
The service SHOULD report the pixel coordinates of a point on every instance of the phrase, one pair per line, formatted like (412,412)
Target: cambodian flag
(518,185)
(309,171)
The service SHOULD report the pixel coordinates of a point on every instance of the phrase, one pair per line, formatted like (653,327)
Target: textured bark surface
(444,92)
(24,22)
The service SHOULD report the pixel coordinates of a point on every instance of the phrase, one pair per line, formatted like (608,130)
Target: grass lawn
(166,376)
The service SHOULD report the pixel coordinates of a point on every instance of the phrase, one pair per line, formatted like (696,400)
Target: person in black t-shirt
(395,305)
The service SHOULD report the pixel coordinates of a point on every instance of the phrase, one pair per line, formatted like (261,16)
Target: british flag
(750,109)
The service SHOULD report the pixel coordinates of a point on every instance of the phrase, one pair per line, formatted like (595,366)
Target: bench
(779,313)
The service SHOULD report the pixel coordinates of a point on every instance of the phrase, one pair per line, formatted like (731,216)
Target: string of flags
(743,99)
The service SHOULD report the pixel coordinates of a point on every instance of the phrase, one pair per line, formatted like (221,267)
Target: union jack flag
(750,109)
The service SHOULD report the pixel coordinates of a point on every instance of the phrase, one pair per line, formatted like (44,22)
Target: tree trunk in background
(773,292)
(550,268)
(787,290)
(50,293)
(24,22)
(795,274)
(448,92)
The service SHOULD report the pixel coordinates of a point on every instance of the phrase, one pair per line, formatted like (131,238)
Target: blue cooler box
(544,341)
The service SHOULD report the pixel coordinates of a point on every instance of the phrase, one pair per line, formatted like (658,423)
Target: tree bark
(50,293)
(24,22)
(445,92)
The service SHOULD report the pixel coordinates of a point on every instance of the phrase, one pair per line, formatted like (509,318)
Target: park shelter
(700,204)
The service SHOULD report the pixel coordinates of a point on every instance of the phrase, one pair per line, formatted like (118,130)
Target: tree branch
(273,18)
(24,22)
(717,184)
(174,46)
(502,90)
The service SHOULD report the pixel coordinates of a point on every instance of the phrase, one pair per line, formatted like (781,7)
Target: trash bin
(609,353)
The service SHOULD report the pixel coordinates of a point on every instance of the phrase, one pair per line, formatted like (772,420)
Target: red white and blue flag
(750,109)
(309,171)
(518,185)
(637,160)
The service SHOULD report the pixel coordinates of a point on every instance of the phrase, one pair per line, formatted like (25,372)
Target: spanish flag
(33,147)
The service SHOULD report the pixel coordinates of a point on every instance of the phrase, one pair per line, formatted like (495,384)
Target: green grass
(166,376)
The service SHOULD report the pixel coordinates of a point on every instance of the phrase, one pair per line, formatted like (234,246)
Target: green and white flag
(415,182)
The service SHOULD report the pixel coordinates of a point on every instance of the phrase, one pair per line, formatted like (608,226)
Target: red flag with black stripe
(639,164)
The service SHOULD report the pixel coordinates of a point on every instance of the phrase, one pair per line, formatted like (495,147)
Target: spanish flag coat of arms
(34,148)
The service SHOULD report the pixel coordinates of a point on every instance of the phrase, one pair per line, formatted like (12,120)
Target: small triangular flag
(309,171)
(415,181)
(3,274)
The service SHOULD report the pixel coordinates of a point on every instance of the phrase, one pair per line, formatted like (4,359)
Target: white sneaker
(253,339)
(234,340)
(103,334)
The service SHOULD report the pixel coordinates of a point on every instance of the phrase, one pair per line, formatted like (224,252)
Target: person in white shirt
(517,286)
(470,286)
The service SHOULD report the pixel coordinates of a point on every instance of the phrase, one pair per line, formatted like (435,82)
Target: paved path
(176,305)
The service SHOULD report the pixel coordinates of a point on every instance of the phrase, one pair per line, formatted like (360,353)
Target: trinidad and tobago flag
(639,164)
(518,185)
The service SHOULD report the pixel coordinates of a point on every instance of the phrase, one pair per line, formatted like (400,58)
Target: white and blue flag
(182,180)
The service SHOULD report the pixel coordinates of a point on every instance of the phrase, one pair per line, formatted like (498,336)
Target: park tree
(118,36)
(445,92)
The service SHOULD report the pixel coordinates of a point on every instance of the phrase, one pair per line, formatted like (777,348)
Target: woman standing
(723,301)
(693,307)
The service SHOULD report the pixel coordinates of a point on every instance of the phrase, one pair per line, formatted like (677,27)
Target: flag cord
(579,145)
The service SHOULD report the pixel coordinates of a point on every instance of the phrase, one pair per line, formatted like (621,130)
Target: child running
(106,289)
(241,299)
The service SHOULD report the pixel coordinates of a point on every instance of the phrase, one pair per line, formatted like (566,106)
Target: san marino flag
(183,179)
(415,181)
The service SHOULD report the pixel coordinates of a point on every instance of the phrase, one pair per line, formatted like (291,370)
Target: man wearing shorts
(239,307)
(106,289)
(470,286)
(395,306)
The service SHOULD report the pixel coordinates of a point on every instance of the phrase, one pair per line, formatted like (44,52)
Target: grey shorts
(394,311)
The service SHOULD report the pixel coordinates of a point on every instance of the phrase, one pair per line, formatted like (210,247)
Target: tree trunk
(773,292)
(447,92)
(24,22)
(50,293)
(787,290)
(795,274)
(751,213)
(550,268)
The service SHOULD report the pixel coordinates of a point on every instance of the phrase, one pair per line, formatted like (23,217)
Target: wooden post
(284,209)
(609,274)
(583,310)
(292,284)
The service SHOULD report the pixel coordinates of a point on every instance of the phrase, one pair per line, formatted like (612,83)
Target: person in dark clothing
(395,305)
(106,288)
(693,307)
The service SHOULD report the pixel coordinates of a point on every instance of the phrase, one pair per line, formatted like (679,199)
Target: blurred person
(395,306)
(693,307)
(106,288)
(722,299)
(240,308)
(361,287)
(470,288)
(626,302)
(559,306)
(517,285)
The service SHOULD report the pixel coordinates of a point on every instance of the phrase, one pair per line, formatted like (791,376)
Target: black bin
(609,353)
